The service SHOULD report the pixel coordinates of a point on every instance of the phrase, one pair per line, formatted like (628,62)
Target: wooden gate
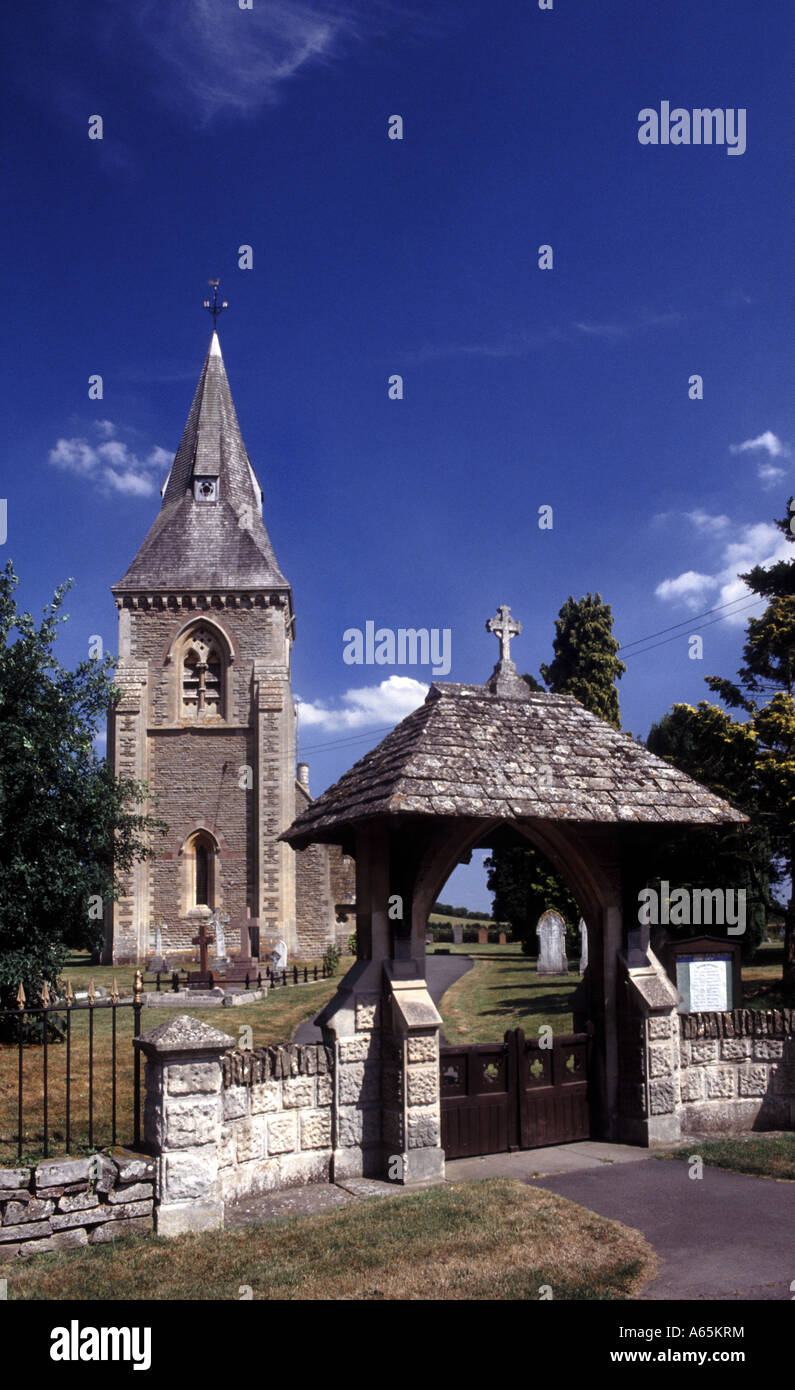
(514,1095)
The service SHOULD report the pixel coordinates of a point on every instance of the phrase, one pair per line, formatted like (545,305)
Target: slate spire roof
(471,750)
(194,544)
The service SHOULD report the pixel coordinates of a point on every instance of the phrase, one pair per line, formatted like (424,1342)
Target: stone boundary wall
(62,1203)
(737,1071)
(276,1129)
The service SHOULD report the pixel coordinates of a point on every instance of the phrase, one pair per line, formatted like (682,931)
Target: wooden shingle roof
(469,752)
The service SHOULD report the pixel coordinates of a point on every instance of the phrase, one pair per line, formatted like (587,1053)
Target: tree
(717,751)
(524,885)
(585,664)
(66,825)
(767,671)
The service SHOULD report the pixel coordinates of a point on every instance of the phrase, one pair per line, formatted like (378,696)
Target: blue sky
(522,387)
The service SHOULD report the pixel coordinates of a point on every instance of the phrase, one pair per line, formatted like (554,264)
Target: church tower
(206,627)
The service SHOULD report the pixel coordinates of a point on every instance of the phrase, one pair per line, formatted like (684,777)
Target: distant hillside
(444,910)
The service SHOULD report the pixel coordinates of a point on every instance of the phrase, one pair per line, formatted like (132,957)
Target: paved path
(440,972)
(723,1236)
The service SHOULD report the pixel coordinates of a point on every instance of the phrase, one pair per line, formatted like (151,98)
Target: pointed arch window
(200,852)
(203,676)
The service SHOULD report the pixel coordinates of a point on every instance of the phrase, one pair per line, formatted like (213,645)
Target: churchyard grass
(492,1240)
(272,1021)
(502,991)
(762,978)
(764,1155)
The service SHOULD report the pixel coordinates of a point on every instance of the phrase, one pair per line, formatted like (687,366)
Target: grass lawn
(762,978)
(272,1021)
(482,1240)
(765,1155)
(501,991)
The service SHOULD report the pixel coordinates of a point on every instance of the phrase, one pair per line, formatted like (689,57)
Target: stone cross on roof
(504,628)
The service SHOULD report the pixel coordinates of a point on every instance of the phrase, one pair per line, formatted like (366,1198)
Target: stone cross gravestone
(246,964)
(200,979)
(551,933)
(583,947)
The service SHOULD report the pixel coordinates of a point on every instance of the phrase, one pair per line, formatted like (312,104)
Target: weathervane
(215,308)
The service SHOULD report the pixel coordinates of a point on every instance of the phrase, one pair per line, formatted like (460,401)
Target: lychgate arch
(472,763)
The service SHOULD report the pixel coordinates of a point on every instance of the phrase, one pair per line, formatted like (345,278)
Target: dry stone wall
(63,1203)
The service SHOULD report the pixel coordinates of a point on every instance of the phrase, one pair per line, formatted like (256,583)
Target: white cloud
(758,544)
(769,474)
(707,523)
(691,588)
(366,706)
(105,427)
(112,466)
(603,330)
(236,61)
(521,342)
(768,441)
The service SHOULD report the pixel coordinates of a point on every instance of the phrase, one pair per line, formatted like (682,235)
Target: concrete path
(440,972)
(723,1236)
(309,1200)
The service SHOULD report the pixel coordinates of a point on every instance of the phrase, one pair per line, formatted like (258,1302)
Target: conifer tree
(585,664)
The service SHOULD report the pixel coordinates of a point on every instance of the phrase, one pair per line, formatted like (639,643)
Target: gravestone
(200,979)
(158,964)
(583,947)
(279,956)
(483,936)
(458,935)
(246,963)
(221,961)
(502,938)
(551,933)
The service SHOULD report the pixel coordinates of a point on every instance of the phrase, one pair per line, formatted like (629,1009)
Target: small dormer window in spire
(205,489)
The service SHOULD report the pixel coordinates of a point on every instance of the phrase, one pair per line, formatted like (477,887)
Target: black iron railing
(49,1028)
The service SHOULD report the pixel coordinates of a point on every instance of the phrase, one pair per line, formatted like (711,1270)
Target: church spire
(209,533)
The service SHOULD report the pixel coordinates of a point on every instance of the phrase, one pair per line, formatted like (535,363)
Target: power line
(693,627)
(686,622)
(691,624)
(354,738)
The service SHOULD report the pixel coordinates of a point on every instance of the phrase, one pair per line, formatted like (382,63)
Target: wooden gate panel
(517,1095)
(476,1100)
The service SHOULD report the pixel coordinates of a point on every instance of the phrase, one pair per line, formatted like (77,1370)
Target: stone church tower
(206,628)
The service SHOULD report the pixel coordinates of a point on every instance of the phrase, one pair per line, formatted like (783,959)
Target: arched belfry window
(203,676)
(200,852)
